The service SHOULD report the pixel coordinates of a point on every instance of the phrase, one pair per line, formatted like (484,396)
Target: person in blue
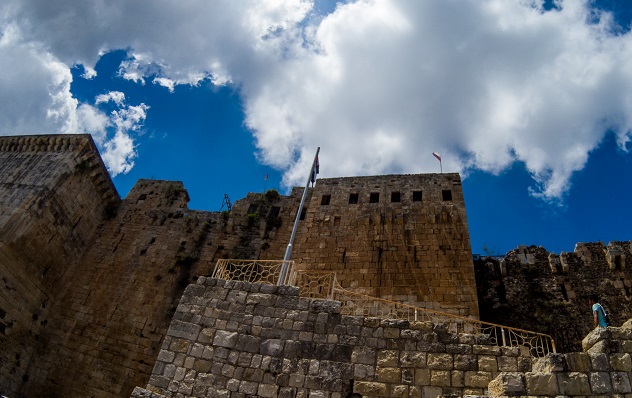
(599,314)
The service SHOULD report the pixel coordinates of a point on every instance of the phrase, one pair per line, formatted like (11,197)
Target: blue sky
(531,102)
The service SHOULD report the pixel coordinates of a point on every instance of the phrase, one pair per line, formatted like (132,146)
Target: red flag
(436,155)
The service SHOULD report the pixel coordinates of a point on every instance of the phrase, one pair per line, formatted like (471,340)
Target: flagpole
(288,250)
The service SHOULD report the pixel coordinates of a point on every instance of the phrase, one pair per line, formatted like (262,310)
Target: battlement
(557,288)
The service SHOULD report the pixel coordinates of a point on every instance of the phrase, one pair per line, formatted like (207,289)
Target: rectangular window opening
(374,197)
(325,200)
(353,198)
(252,209)
(395,196)
(274,211)
(417,196)
(303,213)
(446,195)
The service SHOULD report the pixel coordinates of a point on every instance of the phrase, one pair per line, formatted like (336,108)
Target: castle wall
(236,339)
(54,192)
(534,289)
(90,283)
(403,238)
(102,335)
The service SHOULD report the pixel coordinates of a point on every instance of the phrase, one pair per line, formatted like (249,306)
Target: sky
(530,100)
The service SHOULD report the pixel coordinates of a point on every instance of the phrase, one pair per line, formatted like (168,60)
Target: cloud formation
(378,84)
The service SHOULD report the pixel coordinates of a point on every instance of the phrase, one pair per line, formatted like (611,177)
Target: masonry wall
(236,339)
(54,193)
(534,289)
(398,237)
(90,283)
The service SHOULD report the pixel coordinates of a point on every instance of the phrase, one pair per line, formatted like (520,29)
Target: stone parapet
(604,369)
(233,339)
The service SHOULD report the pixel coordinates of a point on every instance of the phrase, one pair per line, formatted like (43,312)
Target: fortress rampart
(236,339)
(546,292)
(91,284)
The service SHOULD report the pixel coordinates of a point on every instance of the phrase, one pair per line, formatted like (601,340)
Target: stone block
(486,350)
(477,379)
(412,359)
(267,390)
(458,378)
(620,382)
(387,358)
(596,335)
(388,375)
(362,372)
(183,330)
(578,362)
(599,362)
(399,391)
(621,362)
(573,383)
(600,383)
(507,363)
(272,347)
(487,363)
(422,377)
(225,339)
(166,356)
(541,384)
(551,363)
(440,378)
(507,384)
(371,388)
(465,362)
(431,392)
(440,361)
(364,355)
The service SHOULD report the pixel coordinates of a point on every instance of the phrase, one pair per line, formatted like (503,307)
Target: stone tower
(89,283)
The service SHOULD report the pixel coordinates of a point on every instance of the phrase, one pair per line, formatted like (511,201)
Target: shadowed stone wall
(54,193)
(534,289)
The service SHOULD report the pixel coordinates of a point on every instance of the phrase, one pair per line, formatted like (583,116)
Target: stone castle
(100,295)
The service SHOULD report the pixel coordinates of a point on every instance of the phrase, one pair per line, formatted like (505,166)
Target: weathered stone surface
(573,383)
(388,375)
(621,362)
(620,382)
(371,388)
(487,363)
(541,384)
(507,384)
(600,383)
(440,361)
(595,336)
(477,379)
(550,363)
(225,339)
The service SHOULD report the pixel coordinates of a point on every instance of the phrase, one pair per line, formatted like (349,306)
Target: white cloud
(378,84)
(36,99)
(115,96)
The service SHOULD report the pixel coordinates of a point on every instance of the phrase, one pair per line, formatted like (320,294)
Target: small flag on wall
(266,179)
(436,155)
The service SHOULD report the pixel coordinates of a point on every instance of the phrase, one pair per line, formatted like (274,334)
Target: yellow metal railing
(538,344)
(254,271)
(324,285)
